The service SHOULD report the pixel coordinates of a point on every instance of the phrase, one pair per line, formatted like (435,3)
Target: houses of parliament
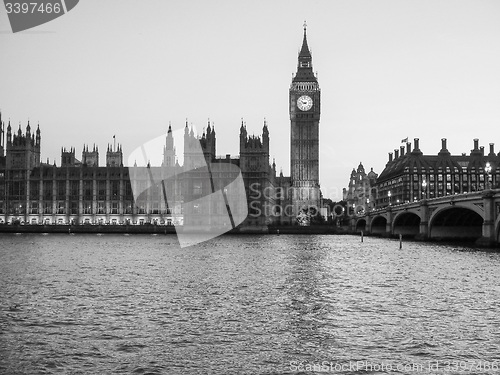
(80,191)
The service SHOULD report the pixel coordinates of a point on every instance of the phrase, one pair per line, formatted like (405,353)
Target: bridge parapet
(485,204)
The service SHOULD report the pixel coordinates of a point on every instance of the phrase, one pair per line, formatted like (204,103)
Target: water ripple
(242,305)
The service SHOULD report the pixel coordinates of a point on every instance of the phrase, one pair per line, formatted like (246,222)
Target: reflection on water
(243,305)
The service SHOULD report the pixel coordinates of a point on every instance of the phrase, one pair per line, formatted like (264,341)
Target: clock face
(304,103)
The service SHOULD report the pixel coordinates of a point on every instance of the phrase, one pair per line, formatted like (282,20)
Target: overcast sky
(387,70)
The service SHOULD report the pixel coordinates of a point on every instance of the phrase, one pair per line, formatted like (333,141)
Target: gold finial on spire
(305,25)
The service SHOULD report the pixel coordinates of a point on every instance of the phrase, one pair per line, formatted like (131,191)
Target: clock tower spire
(304,101)
(304,66)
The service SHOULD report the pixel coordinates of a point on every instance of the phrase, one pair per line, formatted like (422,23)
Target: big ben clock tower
(304,123)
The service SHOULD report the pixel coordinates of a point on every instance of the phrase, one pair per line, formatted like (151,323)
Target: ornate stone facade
(409,175)
(83,192)
(304,100)
(360,195)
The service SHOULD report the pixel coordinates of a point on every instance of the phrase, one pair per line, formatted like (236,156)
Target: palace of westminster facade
(83,192)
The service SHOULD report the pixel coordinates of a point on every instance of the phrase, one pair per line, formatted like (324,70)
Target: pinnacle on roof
(304,67)
(304,51)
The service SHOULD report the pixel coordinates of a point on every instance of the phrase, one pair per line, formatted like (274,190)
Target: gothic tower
(114,156)
(207,143)
(193,156)
(169,149)
(304,118)
(254,165)
(90,158)
(2,136)
(68,158)
(23,150)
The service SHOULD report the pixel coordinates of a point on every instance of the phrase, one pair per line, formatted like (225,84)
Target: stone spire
(304,51)
(304,67)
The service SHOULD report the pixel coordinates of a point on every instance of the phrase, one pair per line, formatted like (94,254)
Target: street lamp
(487,169)
(424,186)
(389,195)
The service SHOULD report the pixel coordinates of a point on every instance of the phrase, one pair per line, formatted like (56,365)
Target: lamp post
(487,169)
(389,195)
(424,187)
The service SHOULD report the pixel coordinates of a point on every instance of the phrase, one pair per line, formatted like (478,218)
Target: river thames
(139,304)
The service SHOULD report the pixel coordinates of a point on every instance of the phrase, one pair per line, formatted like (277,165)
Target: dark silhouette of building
(360,195)
(305,112)
(410,175)
(83,192)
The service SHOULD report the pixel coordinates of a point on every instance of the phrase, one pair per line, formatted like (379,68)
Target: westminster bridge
(461,216)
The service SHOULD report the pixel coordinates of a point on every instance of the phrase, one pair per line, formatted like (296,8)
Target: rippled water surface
(115,304)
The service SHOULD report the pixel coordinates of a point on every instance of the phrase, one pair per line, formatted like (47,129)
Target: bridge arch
(497,229)
(361,225)
(406,223)
(456,221)
(379,225)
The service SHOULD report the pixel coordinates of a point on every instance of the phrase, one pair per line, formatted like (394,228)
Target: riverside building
(80,191)
(409,175)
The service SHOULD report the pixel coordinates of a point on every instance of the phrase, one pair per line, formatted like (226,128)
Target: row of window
(19,208)
(464,187)
(440,178)
(442,190)
(98,221)
(76,173)
(450,177)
